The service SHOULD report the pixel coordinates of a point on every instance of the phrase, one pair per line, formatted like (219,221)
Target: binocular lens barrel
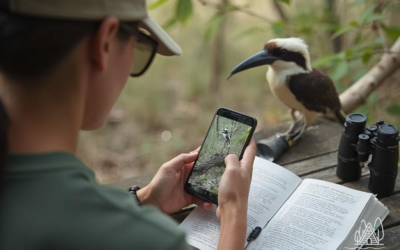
(358,143)
(348,168)
(381,185)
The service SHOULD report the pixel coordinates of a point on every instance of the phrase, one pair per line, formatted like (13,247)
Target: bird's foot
(292,125)
(301,132)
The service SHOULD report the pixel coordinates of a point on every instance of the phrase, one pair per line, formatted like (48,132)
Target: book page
(203,227)
(271,186)
(319,215)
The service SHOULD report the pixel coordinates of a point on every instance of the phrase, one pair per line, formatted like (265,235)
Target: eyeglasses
(144,51)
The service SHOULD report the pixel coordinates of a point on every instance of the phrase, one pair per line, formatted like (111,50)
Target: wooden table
(314,156)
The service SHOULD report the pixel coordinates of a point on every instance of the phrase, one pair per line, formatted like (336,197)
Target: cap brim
(166,46)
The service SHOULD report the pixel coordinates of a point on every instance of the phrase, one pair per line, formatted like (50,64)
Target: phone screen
(225,136)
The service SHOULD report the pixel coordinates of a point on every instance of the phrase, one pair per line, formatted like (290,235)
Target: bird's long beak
(261,58)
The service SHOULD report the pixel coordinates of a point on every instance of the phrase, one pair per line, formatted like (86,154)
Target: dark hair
(30,48)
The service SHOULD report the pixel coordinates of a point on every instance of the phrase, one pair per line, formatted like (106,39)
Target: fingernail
(193,153)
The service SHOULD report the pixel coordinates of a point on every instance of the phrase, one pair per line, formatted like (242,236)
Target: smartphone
(229,133)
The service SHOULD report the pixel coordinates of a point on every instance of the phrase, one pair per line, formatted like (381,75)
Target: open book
(295,214)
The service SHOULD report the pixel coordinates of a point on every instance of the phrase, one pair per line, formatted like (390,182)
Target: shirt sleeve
(181,244)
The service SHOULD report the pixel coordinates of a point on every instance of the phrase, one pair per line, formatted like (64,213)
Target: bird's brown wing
(315,91)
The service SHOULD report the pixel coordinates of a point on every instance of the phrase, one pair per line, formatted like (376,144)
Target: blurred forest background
(168,110)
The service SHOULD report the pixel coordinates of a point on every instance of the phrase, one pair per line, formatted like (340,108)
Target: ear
(102,42)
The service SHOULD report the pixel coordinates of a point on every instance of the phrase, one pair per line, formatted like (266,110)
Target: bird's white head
(286,55)
(292,53)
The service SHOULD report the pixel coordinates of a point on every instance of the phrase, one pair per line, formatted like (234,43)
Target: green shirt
(52,201)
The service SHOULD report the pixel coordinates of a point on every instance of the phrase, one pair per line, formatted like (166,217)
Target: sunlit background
(168,110)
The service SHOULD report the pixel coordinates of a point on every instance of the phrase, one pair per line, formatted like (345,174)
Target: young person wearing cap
(63,64)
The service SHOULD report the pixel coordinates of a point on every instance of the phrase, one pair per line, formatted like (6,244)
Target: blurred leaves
(157,4)
(362,18)
(247,33)
(339,70)
(278,27)
(394,109)
(366,56)
(393,32)
(169,23)
(350,26)
(213,25)
(368,15)
(328,60)
(184,9)
(284,1)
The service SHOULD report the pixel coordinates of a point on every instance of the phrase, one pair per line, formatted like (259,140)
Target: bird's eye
(284,52)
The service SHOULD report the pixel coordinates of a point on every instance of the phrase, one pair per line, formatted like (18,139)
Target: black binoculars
(358,142)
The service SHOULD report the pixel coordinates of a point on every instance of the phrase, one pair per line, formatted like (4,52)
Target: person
(63,64)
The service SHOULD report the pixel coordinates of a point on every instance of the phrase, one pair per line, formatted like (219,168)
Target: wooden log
(357,94)
(215,160)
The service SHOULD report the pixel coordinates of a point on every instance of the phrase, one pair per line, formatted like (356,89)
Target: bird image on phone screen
(225,136)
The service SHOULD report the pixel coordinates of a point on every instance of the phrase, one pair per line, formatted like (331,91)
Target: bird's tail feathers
(340,116)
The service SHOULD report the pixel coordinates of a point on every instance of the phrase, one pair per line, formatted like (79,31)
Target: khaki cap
(125,10)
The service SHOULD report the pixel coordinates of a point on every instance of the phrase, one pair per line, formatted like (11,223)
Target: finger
(197,149)
(218,213)
(207,206)
(181,160)
(231,161)
(188,169)
(249,154)
(202,203)
(189,165)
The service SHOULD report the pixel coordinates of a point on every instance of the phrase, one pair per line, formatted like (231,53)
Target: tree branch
(357,94)
(280,10)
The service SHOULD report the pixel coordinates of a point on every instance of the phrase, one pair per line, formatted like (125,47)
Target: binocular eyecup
(273,148)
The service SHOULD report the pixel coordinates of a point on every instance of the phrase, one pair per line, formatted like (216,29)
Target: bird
(293,81)
(226,136)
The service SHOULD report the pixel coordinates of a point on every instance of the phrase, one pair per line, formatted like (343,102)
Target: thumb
(181,160)
(232,161)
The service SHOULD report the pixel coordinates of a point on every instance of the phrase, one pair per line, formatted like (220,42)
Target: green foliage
(350,26)
(278,27)
(394,109)
(184,10)
(247,33)
(366,56)
(284,1)
(393,32)
(203,177)
(368,15)
(213,25)
(169,23)
(157,4)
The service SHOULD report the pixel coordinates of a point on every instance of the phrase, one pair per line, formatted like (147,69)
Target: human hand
(166,190)
(234,187)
